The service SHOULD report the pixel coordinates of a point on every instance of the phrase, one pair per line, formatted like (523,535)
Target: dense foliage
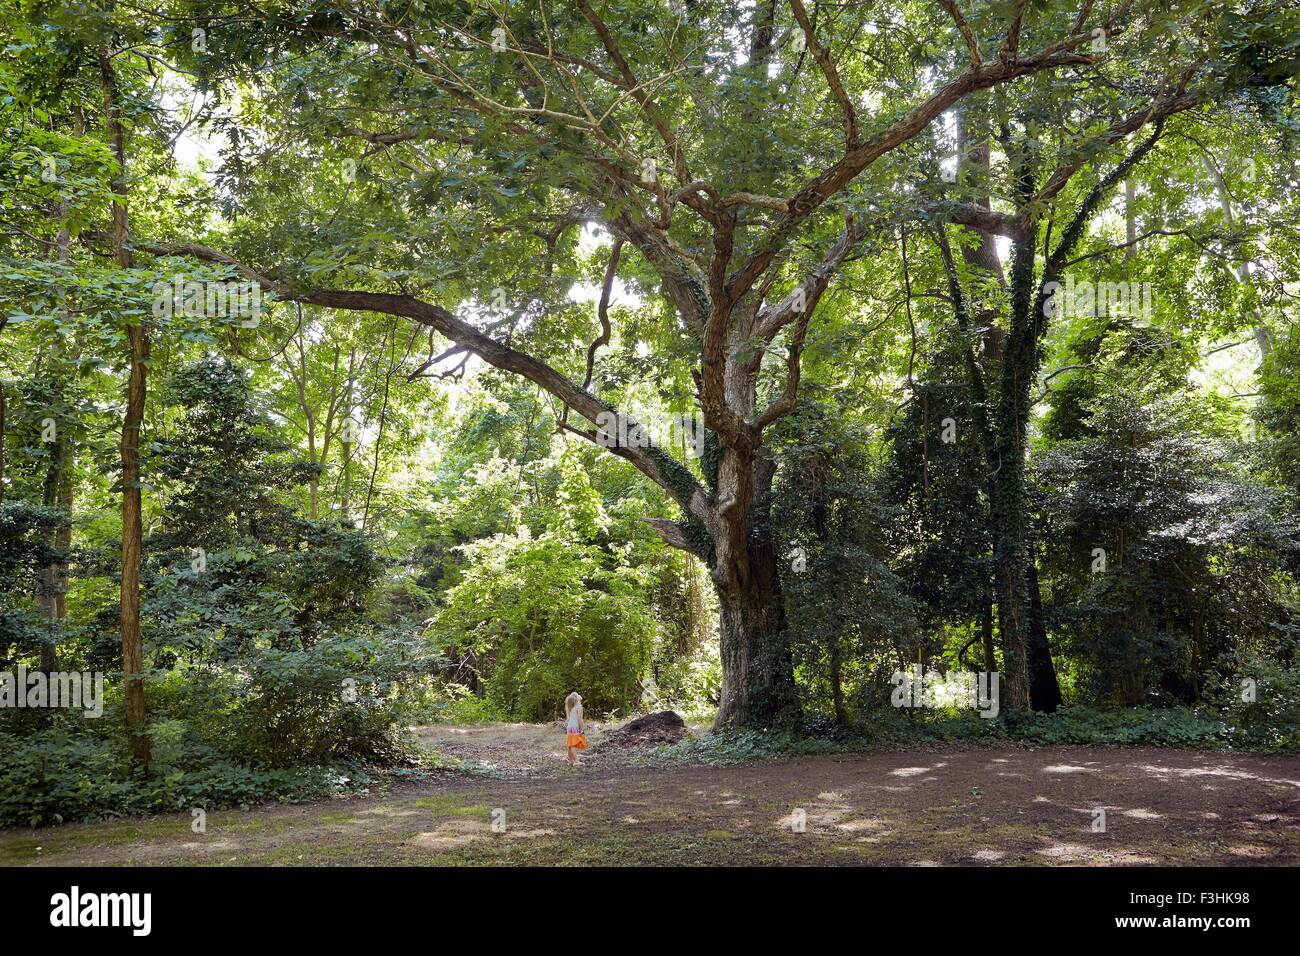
(998,375)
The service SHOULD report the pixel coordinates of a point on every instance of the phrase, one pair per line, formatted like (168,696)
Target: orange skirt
(576,740)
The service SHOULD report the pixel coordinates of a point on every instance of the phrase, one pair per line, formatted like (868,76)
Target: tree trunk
(973,151)
(1044,689)
(758,687)
(132,548)
(58,492)
(3,431)
(1013,621)
(837,682)
(757,667)
(986,636)
(132,522)
(133,544)
(1130,219)
(63,539)
(1011,547)
(1031,677)
(1030,674)
(53,576)
(1027,662)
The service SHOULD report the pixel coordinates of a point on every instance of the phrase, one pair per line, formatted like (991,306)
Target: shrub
(549,615)
(1271,721)
(1168,727)
(457,704)
(344,697)
(69,772)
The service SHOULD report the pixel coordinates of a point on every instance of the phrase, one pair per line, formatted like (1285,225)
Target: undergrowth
(1170,727)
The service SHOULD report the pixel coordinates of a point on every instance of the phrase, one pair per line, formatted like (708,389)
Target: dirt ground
(525,750)
(976,806)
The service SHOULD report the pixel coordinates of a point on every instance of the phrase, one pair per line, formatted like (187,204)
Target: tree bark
(4,407)
(1011,419)
(837,681)
(58,492)
(758,688)
(53,576)
(986,636)
(757,667)
(132,522)
(1044,689)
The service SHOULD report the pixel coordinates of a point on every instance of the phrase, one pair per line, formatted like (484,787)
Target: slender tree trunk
(1263,337)
(390,340)
(54,574)
(132,521)
(345,494)
(1011,419)
(63,540)
(1130,219)
(837,681)
(4,408)
(986,636)
(132,549)
(58,494)
(1044,689)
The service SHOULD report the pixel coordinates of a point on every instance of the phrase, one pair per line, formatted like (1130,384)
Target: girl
(576,727)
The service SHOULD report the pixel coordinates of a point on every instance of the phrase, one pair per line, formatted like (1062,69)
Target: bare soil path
(975,806)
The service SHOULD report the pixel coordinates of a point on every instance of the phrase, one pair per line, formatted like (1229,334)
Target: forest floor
(968,805)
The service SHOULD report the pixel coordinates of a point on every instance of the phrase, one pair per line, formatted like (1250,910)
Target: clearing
(978,806)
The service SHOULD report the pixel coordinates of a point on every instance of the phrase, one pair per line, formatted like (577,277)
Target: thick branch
(671,532)
(682,486)
(984,219)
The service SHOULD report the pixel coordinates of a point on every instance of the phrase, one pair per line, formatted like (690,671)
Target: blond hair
(572,701)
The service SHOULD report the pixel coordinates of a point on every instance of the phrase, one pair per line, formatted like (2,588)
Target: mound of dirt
(652,730)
